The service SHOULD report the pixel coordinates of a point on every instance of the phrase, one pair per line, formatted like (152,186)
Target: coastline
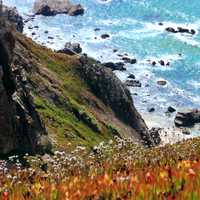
(141,69)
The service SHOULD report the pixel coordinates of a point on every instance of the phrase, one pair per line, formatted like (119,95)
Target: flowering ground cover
(118,170)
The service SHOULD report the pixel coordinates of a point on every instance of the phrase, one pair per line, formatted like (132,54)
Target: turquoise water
(133,27)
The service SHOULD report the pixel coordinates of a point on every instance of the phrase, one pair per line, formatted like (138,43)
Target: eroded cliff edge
(74,99)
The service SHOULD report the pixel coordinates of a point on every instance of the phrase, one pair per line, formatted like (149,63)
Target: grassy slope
(60,95)
(121,170)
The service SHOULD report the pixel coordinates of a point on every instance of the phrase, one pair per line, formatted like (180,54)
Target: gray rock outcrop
(52,7)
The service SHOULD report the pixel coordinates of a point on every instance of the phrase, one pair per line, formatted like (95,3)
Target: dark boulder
(133,83)
(115,66)
(171,30)
(180,30)
(162,62)
(131,76)
(151,109)
(171,109)
(129,60)
(105,36)
(187,118)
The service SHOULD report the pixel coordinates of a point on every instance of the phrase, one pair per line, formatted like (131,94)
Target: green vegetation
(71,113)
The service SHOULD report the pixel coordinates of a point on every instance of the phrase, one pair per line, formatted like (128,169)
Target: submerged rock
(52,7)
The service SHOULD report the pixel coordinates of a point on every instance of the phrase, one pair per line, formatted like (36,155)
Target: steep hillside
(79,101)
(74,99)
(20,125)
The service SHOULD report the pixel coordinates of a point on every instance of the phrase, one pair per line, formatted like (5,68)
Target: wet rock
(71,48)
(171,30)
(162,82)
(52,7)
(131,76)
(187,118)
(105,36)
(133,83)
(171,109)
(46,32)
(151,109)
(115,50)
(50,37)
(115,66)
(183,30)
(153,63)
(161,62)
(129,60)
(192,31)
(160,24)
(33,33)
(180,30)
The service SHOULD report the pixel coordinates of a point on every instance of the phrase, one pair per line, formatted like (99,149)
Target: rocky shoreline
(131,81)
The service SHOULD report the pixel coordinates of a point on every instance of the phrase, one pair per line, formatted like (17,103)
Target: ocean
(134,29)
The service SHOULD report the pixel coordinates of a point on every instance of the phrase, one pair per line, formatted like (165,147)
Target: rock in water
(187,118)
(171,109)
(133,83)
(162,82)
(115,66)
(52,7)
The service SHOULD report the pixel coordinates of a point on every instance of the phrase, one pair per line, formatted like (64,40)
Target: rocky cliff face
(113,93)
(12,15)
(20,126)
(75,99)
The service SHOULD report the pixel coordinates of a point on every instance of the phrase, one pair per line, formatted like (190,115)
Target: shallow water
(133,27)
